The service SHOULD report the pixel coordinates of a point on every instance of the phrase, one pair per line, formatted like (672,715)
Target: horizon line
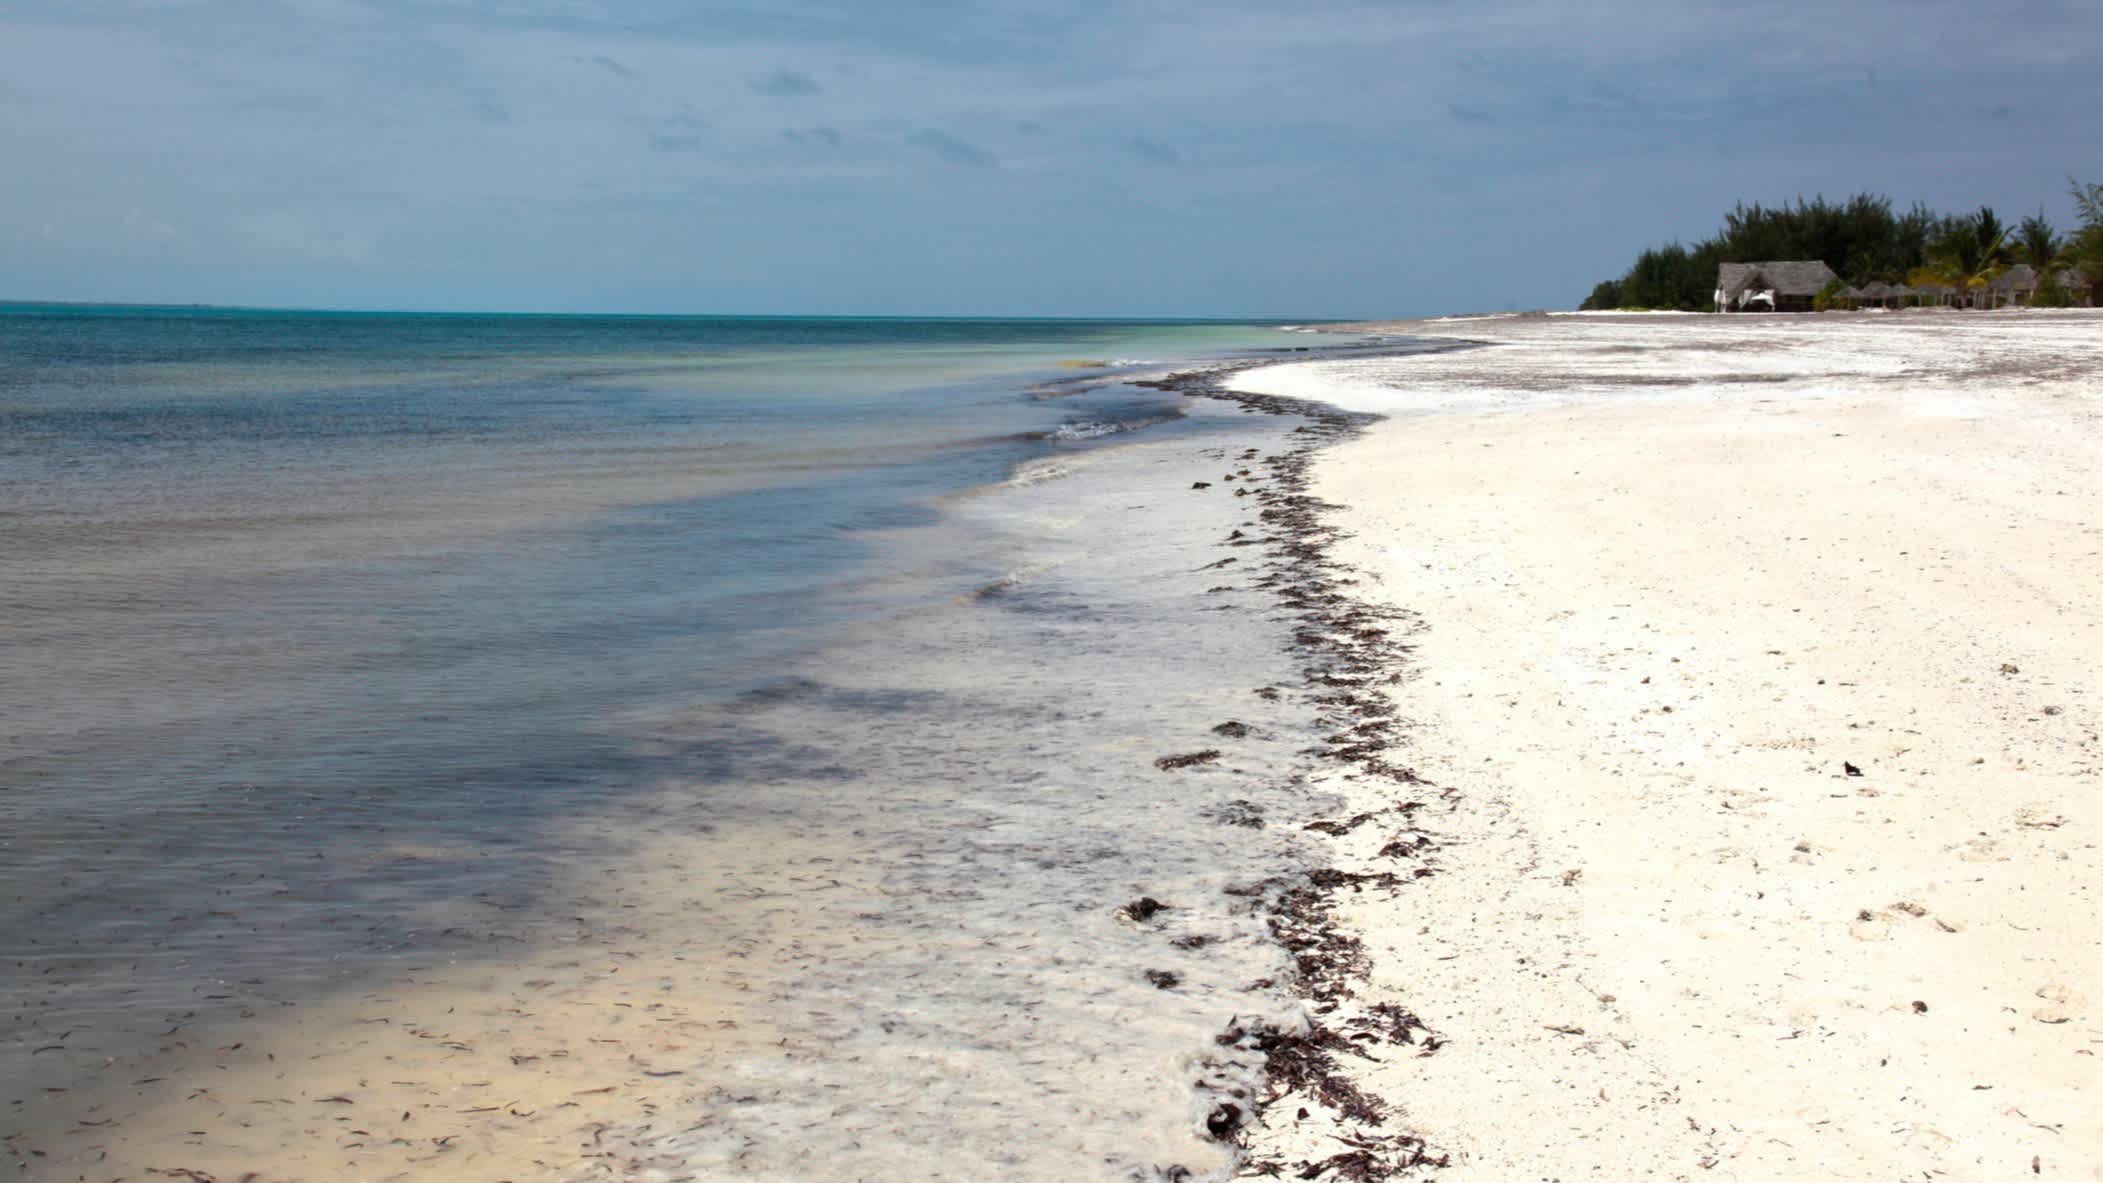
(198,306)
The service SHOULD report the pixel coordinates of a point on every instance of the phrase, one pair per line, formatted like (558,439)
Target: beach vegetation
(1969,251)
(2084,249)
(1670,276)
(1862,238)
(1605,297)
(2037,243)
(2040,247)
(1869,242)
(2052,291)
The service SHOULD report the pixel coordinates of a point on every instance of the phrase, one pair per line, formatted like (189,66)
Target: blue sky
(1064,157)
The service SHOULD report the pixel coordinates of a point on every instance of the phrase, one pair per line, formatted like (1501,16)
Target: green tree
(1967,254)
(2038,244)
(2084,250)
(1605,297)
(1671,276)
(1861,238)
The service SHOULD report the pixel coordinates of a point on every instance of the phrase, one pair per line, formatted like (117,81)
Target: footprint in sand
(2039,817)
(1979,850)
(2060,1004)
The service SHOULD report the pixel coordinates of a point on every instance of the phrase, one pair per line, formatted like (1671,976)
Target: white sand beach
(1760,658)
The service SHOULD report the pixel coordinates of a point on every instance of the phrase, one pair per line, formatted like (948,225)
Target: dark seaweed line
(1352,650)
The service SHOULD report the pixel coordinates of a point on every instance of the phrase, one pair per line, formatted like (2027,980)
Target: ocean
(592,747)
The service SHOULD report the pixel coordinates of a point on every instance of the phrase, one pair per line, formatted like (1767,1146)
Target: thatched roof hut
(2017,285)
(1787,284)
(2019,278)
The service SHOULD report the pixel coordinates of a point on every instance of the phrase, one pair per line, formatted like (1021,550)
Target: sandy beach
(1752,674)
(1600,747)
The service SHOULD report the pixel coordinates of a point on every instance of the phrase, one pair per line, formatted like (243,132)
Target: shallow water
(535,756)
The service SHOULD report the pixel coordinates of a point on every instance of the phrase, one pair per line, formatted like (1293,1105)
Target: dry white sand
(1675,575)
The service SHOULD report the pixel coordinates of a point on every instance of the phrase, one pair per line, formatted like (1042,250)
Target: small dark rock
(1239,813)
(1143,909)
(1162,979)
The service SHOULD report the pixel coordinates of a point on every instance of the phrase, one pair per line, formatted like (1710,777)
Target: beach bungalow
(1880,294)
(2015,286)
(1782,286)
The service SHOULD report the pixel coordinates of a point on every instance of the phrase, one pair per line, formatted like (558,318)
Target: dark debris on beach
(1352,651)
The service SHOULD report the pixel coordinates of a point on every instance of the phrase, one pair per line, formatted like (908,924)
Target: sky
(1313,158)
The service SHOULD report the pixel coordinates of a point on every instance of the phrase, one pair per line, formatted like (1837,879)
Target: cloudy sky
(1036,157)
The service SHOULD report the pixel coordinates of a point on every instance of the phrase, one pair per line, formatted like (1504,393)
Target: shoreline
(1760,851)
(592,1047)
(1348,646)
(1448,908)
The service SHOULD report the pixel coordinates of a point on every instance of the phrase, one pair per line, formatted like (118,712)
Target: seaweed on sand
(1351,649)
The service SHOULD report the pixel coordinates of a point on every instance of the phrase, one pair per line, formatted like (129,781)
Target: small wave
(1038,471)
(1085,429)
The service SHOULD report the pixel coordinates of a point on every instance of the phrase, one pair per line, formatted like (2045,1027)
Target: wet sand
(1751,664)
(879,920)
(1555,675)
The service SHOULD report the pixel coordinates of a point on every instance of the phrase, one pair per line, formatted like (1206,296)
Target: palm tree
(2088,202)
(2038,244)
(2041,248)
(1967,255)
(2085,250)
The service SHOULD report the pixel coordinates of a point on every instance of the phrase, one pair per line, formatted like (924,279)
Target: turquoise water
(288,594)
(241,546)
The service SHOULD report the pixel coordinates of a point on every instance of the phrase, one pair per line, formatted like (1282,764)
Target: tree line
(1864,240)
